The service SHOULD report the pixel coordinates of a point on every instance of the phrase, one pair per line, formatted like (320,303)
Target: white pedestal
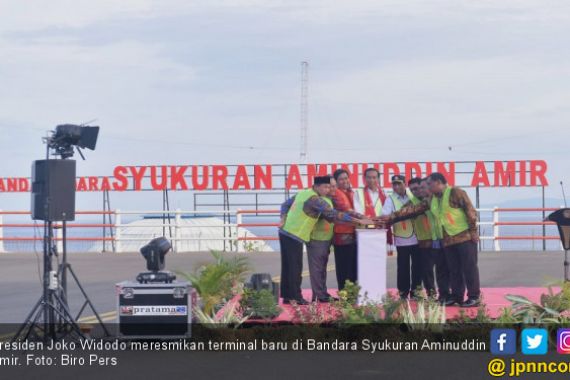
(372,263)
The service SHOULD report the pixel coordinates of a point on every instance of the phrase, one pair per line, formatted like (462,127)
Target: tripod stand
(64,267)
(51,318)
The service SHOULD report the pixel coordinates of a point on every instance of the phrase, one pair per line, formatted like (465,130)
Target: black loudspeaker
(259,281)
(53,190)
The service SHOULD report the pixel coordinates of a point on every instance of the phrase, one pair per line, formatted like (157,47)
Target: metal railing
(236,235)
(496,223)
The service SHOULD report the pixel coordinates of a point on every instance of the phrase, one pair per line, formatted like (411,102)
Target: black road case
(154,309)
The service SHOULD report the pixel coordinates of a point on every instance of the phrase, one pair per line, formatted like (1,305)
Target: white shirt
(359,203)
(389,208)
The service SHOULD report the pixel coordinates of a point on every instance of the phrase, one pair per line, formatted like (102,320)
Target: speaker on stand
(53,200)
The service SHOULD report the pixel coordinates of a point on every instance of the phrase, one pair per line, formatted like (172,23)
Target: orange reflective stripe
(450,218)
(404,225)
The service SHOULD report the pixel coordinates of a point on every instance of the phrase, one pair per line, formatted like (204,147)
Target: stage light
(562,219)
(66,136)
(82,136)
(154,253)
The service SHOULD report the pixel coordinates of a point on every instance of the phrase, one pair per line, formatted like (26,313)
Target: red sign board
(294,176)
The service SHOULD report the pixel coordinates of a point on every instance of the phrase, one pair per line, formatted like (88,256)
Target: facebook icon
(503,341)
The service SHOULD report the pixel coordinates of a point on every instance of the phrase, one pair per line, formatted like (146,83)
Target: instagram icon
(563,341)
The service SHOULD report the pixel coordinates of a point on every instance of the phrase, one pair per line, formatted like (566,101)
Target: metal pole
(47,269)
(104,228)
(239,221)
(111,234)
(543,218)
(477,206)
(163,215)
(286,190)
(565,265)
(177,234)
(118,222)
(226,217)
(2,233)
(166,207)
(496,228)
(304,109)
(64,262)
(49,307)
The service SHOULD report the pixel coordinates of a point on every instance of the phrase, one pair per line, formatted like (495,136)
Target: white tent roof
(195,234)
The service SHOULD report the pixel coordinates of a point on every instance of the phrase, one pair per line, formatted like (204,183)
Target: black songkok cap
(325,179)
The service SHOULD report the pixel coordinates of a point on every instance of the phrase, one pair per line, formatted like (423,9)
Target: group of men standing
(433,226)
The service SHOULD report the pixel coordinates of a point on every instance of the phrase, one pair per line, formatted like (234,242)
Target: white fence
(226,227)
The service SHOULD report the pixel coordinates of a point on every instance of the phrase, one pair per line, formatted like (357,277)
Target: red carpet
(493,298)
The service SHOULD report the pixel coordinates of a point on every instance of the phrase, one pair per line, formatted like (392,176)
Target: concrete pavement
(99,272)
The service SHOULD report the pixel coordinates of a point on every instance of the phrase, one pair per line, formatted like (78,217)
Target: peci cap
(325,179)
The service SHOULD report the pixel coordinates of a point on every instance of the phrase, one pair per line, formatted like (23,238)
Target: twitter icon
(534,341)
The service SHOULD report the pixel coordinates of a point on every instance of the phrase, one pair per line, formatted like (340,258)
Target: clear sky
(190,82)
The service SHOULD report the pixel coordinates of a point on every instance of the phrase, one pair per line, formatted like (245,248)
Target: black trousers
(345,263)
(291,267)
(435,259)
(427,260)
(463,270)
(408,255)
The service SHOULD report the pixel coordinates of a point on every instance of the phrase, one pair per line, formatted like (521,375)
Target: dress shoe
(472,302)
(452,302)
(417,297)
(327,299)
(432,296)
(301,301)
